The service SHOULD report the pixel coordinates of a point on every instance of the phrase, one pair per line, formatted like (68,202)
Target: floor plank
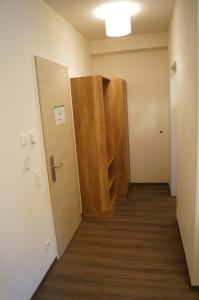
(137,254)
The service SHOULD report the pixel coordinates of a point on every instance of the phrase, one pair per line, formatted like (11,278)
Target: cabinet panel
(118,93)
(91,141)
(101,141)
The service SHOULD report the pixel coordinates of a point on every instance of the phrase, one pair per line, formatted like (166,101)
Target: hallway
(137,254)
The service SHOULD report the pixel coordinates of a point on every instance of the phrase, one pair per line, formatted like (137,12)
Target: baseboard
(193,287)
(149,183)
(44,278)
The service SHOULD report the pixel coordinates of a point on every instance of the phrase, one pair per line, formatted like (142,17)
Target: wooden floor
(137,254)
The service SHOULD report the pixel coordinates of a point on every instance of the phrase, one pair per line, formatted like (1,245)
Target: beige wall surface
(147,76)
(28,27)
(129,43)
(183,52)
(196,246)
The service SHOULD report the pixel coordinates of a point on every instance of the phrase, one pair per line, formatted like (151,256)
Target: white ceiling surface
(154,16)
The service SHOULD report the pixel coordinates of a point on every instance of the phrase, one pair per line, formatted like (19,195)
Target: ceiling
(154,16)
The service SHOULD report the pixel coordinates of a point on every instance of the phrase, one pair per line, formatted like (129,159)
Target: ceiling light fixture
(117,16)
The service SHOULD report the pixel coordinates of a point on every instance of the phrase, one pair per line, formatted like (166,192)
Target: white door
(58,132)
(173,130)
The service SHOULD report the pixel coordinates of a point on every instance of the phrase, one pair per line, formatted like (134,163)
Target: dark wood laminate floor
(135,255)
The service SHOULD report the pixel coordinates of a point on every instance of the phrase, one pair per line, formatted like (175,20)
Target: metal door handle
(60,164)
(53,166)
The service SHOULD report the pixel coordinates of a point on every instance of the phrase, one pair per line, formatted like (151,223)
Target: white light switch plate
(23,139)
(27,163)
(33,137)
(47,245)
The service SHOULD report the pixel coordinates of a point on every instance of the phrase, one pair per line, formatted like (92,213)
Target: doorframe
(173,106)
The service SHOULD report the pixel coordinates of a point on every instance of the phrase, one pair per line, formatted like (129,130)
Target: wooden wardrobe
(118,93)
(100,118)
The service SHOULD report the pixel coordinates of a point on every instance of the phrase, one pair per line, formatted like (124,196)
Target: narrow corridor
(137,254)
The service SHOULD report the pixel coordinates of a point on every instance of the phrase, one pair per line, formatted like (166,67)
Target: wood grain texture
(135,255)
(94,142)
(118,100)
(108,113)
(54,89)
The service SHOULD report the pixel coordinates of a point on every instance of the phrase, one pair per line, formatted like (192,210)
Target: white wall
(183,52)
(28,27)
(147,76)
(129,43)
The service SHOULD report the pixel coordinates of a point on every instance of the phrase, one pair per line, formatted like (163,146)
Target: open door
(57,123)
(173,130)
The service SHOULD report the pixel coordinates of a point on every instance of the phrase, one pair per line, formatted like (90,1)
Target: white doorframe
(173,129)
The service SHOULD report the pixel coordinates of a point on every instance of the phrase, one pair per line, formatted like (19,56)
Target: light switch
(47,245)
(27,163)
(23,139)
(32,136)
(37,174)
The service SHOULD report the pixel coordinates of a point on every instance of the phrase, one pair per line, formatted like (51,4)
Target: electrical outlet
(27,163)
(38,181)
(23,139)
(47,245)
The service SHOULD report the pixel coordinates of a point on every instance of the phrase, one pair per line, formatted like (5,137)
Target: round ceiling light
(117,16)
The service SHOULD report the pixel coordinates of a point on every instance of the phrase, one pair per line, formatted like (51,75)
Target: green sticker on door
(59,114)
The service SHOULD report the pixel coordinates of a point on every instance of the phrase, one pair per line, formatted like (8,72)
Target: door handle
(53,167)
(60,164)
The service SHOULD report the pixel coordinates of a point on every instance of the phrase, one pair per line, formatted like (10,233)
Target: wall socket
(47,245)
(37,174)
(27,163)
